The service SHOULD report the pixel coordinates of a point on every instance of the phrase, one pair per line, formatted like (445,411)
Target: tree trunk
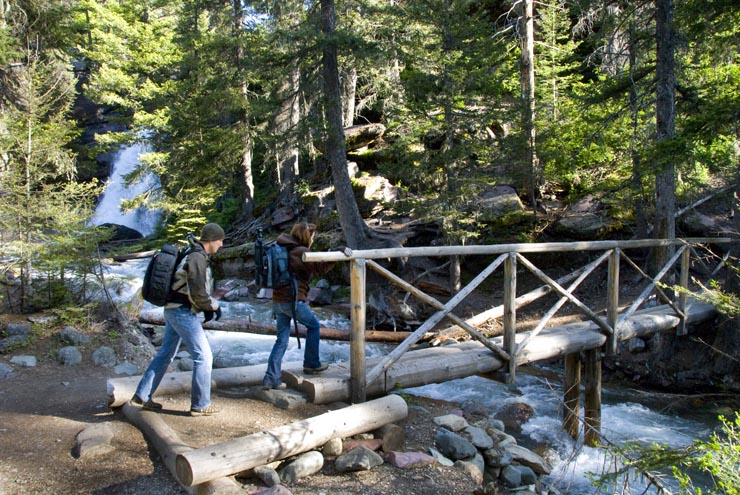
(640,220)
(665,192)
(354,228)
(349,89)
(286,122)
(287,116)
(528,97)
(247,175)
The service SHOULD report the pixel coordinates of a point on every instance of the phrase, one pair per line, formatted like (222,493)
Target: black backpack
(160,272)
(271,264)
(271,270)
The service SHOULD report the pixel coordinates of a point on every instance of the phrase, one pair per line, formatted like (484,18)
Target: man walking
(190,294)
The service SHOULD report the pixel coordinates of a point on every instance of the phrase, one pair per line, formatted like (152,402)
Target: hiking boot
(318,369)
(282,386)
(149,405)
(206,411)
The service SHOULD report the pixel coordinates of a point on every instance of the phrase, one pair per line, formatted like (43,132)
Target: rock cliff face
(93,119)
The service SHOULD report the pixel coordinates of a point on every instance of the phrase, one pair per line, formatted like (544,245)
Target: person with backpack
(190,294)
(291,301)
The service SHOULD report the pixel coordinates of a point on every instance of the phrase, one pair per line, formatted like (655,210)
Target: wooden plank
(414,369)
(641,298)
(682,296)
(612,299)
(154,317)
(510,315)
(438,305)
(121,389)
(169,445)
(551,312)
(519,302)
(648,277)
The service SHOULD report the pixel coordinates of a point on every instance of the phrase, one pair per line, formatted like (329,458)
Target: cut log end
(183,471)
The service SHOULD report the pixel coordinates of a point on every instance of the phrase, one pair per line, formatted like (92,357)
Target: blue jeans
(283,314)
(181,326)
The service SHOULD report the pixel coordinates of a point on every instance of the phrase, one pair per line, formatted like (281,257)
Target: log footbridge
(580,344)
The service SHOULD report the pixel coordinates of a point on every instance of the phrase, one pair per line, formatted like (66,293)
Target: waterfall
(108,209)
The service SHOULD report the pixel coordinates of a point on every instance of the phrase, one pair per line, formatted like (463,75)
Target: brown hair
(303,233)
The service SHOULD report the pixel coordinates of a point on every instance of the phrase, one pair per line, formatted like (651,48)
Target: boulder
(304,465)
(358,459)
(452,445)
(451,422)
(121,232)
(585,219)
(526,457)
(359,136)
(373,193)
(514,415)
(69,356)
(696,224)
(498,202)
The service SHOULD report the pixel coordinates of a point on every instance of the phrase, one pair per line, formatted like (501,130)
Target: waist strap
(179,298)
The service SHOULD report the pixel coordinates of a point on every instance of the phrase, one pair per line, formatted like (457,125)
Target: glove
(343,249)
(209,315)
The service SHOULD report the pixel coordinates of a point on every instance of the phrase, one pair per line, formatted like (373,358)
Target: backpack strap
(175,295)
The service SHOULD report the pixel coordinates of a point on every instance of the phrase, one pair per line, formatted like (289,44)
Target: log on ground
(120,390)
(240,454)
(169,445)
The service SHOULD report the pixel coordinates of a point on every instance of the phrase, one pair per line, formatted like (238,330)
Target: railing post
(510,314)
(357,336)
(612,303)
(684,284)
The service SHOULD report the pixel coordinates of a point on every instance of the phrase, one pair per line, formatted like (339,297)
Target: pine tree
(38,90)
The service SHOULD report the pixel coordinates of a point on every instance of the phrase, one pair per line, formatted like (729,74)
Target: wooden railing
(510,256)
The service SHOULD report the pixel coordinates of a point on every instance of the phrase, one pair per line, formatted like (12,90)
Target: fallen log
(169,445)
(134,256)
(156,318)
(240,454)
(413,369)
(120,390)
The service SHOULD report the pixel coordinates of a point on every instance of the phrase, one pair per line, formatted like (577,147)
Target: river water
(627,416)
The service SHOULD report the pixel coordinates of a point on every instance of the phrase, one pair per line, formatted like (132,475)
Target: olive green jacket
(194,279)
